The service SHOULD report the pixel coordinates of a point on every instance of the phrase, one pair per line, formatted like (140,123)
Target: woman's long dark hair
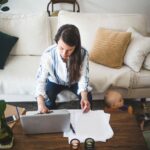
(71,36)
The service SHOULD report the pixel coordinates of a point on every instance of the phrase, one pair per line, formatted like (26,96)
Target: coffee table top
(127,136)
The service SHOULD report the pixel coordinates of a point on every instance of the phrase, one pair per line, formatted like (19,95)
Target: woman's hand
(85,104)
(41,105)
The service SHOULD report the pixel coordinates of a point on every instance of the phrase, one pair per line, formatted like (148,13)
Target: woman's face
(65,50)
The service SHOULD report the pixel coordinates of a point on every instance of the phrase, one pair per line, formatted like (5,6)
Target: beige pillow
(109,47)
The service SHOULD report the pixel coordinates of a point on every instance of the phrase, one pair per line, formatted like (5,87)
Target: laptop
(53,122)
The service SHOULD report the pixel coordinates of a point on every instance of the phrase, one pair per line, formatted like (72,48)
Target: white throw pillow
(33,31)
(146,64)
(137,50)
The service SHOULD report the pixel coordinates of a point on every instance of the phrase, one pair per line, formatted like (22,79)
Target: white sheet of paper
(94,124)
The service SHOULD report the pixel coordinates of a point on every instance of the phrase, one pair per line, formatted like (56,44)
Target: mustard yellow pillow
(109,47)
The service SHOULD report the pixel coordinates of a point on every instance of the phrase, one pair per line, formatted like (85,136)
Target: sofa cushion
(88,25)
(140,79)
(6,44)
(33,31)
(137,50)
(102,77)
(146,64)
(19,74)
(109,47)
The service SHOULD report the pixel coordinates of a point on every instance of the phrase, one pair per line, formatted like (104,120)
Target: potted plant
(6,134)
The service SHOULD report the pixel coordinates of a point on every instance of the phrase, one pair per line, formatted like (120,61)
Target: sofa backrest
(33,31)
(36,31)
(54,26)
(88,23)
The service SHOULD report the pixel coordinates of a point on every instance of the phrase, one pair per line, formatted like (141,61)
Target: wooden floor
(127,136)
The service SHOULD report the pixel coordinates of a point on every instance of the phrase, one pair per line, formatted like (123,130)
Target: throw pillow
(137,51)
(6,44)
(109,47)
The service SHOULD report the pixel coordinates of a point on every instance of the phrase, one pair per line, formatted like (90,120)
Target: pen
(72,128)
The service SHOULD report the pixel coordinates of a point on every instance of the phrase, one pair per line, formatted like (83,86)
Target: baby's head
(113,99)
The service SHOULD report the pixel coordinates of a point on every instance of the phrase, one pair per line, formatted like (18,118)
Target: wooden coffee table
(127,136)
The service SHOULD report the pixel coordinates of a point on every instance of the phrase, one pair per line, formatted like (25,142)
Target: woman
(64,66)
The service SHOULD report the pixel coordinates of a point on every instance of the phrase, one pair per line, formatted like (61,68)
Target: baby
(115,102)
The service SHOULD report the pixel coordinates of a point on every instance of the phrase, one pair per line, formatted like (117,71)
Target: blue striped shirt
(54,69)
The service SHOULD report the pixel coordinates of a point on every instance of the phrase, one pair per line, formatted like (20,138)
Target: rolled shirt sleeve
(42,75)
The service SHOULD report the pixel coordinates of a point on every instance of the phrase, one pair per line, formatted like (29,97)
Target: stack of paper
(94,124)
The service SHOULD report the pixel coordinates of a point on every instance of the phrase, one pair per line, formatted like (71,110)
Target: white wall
(117,6)
(103,6)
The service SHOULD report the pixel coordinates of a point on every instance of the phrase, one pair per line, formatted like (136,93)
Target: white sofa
(36,32)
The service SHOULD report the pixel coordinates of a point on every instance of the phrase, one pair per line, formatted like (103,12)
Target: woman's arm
(85,105)
(84,79)
(41,105)
(41,78)
(83,83)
